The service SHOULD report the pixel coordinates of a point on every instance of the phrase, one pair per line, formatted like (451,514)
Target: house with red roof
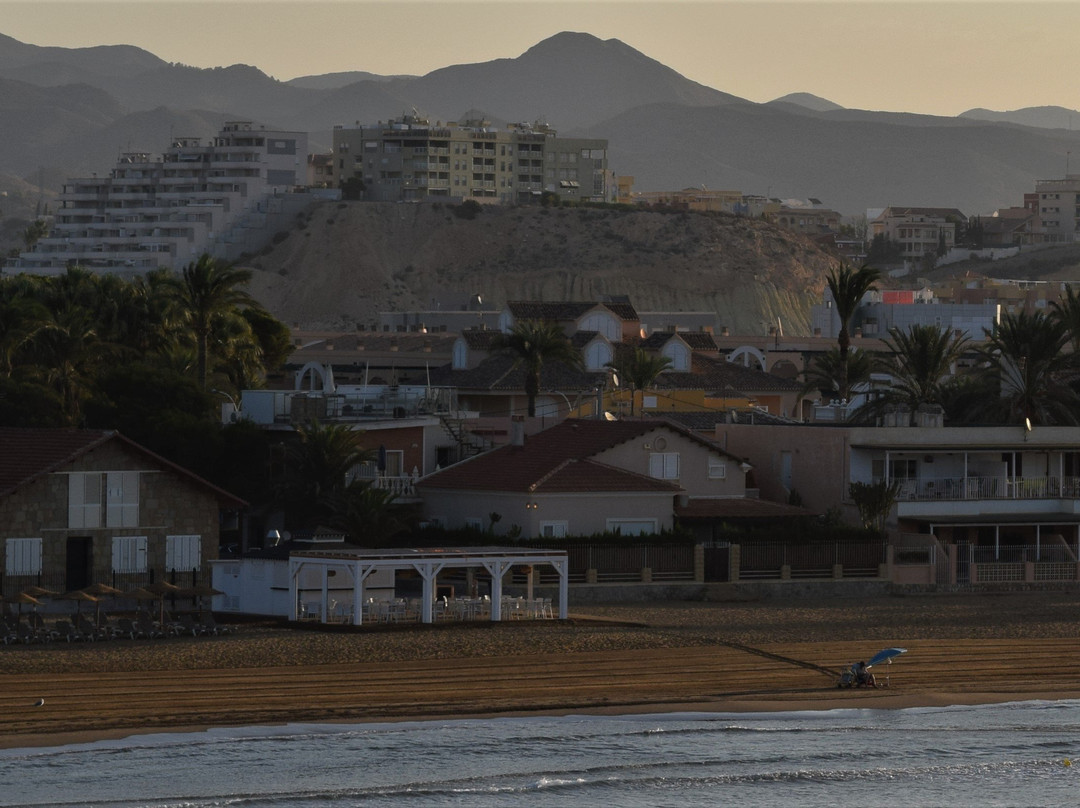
(587,476)
(91,506)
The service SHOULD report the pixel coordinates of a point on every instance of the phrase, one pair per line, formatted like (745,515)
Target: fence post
(646,575)
(1029,572)
(837,571)
(733,563)
(785,572)
(952,564)
(885,570)
(590,575)
(699,563)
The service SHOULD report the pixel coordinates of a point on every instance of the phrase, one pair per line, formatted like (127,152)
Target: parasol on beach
(164,589)
(200,591)
(22,598)
(79,597)
(885,655)
(39,592)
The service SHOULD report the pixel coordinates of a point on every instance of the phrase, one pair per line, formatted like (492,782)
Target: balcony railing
(968,488)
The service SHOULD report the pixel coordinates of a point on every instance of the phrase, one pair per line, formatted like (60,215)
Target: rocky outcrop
(345,262)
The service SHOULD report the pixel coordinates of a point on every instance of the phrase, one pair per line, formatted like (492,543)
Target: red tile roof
(559,459)
(27,454)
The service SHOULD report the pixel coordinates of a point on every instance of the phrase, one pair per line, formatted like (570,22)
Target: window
(597,355)
(183,553)
(84,500)
(717,469)
(129,554)
(474,523)
(23,557)
(123,499)
(679,355)
(553,530)
(664,465)
(631,527)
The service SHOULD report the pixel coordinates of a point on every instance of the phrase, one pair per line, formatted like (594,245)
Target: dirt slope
(345,262)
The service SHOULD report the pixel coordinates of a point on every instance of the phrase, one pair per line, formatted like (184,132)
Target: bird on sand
(39,703)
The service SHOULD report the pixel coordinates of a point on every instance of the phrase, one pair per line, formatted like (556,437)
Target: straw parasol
(100,591)
(200,591)
(39,592)
(79,597)
(22,598)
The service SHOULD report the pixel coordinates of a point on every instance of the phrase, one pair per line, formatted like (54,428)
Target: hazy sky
(940,57)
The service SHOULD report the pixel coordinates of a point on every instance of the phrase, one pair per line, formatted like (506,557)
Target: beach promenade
(624,658)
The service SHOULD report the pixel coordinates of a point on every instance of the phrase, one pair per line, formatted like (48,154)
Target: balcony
(988,488)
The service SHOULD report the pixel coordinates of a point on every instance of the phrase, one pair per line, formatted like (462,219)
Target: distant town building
(881,311)
(165,211)
(809,217)
(919,231)
(1059,209)
(412,159)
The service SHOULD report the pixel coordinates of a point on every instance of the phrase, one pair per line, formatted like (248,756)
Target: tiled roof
(697,340)
(481,338)
(560,312)
(27,454)
(559,459)
(738,508)
(497,372)
(717,375)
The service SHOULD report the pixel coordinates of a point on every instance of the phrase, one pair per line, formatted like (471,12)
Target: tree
(319,463)
(1026,362)
(206,292)
(1067,312)
(875,501)
(638,370)
(921,362)
(847,286)
(825,375)
(532,343)
(34,232)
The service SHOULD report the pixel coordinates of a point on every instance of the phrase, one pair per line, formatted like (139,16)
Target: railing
(763,560)
(401,487)
(970,488)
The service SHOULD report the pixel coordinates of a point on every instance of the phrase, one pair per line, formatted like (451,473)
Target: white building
(217,197)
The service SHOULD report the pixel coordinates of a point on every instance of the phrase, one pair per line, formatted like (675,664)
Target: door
(79,562)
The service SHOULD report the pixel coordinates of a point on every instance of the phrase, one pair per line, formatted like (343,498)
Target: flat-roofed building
(412,159)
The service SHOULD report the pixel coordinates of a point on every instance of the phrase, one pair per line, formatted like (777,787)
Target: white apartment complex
(1059,209)
(411,159)
(918,231)
(165,211)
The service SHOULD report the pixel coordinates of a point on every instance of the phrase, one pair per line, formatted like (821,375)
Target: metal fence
(765,560)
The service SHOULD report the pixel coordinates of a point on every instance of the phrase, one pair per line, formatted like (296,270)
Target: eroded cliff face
(345,262)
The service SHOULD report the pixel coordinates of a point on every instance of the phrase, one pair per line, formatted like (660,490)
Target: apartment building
(411,159)
(165,210)
(1059,209)
(918,231)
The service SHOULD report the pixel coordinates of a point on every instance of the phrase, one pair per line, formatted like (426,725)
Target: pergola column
(497,569)
(428,572)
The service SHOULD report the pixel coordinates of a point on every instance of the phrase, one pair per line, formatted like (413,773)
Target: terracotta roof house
(586,476)
(85,506)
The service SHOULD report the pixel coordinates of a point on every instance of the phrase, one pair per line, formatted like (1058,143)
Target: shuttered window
(129,554)
(22,557)
(183,553)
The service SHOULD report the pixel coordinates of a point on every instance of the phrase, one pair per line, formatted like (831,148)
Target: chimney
(517,430)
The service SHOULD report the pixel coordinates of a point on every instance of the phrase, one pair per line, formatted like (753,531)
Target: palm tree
(532,343)
(921,363)
(1067,311)
(21,316)
(206,292)
(638,370)
(835,377)
(848,285)
(318,467)
(1025,361)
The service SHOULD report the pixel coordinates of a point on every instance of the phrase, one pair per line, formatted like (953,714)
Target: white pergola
(359,564)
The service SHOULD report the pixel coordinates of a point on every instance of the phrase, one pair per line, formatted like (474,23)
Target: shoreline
(905,701)
(620,659)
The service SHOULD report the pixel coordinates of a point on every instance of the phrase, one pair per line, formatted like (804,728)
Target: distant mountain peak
(809,101)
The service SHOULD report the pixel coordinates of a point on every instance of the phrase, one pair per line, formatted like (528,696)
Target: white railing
(968,488)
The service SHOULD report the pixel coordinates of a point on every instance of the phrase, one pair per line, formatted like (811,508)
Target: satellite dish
(1027,424)
(609,417)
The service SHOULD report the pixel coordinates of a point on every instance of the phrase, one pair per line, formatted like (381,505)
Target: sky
(940,57)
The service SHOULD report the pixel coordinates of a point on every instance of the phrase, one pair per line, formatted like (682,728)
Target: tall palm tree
(21,317)
(318,467)
(922,360)
(532,343)
(1026,362)
(848,285)
(638,370)
(206,291)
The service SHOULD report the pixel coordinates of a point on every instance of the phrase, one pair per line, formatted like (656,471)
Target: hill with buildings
(70,112)
(345,262)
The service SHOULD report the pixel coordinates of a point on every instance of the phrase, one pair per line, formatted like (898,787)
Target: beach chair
(125,627)
(211,626)
(88,629)
(186,624)
(145,628)
(66,630)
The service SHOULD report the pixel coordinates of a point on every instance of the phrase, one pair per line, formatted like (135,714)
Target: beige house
(987,486)
(582,477)
(85,506)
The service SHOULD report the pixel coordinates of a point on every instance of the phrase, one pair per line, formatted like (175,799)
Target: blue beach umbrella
(885,655)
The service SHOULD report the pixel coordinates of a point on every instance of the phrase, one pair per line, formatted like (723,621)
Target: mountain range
(71,112)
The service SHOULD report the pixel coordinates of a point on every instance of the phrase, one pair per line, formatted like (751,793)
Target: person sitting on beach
(863,677)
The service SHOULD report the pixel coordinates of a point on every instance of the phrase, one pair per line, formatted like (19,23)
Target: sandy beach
(619,658)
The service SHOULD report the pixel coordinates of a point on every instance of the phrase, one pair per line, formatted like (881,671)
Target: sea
(1018,754)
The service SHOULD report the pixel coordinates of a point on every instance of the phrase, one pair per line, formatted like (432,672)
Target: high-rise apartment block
(412,159)
(165,211)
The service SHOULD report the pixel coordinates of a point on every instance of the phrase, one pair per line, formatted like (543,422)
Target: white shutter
(123,499)
(129,554)
(183,553)
(23,557)
(84,499)
(656,466)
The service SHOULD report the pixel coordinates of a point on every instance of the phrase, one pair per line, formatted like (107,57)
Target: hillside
(345,262)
